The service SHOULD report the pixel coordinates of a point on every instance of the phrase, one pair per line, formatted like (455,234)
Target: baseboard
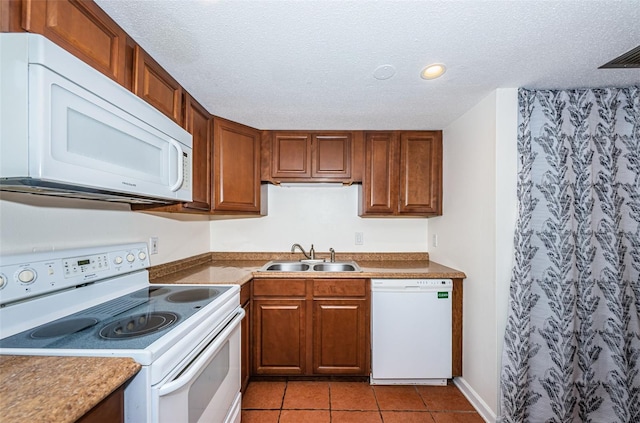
(478,403)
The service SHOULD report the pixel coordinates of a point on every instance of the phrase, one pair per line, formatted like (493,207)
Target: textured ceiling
(275,64)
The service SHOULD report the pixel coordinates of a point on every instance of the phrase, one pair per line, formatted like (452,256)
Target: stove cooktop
(133,321)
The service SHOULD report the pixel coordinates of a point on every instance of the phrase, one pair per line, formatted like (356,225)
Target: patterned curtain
(572,344)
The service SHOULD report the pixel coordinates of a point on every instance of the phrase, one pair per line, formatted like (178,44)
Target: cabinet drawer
(278,287)
(339,287)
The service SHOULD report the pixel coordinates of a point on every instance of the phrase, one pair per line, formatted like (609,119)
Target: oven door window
(206,388)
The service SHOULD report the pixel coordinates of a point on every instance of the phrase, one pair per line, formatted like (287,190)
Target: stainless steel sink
(335,267)
(286,267)
(296,266)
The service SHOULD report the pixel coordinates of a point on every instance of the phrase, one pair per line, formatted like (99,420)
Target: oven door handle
(197,365)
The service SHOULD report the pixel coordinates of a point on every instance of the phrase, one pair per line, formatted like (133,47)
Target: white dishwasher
(411,331)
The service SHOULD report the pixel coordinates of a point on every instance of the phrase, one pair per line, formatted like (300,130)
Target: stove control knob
(117,260)
(3,281)
(27,276)
(142,255)
(130,257)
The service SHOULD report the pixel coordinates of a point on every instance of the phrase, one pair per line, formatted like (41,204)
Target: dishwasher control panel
(431,284)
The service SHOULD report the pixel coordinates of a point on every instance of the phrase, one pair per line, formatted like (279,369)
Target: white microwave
(68,130)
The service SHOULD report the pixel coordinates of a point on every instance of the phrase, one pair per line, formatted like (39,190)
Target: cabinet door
(340,337)
(81,28)
(279,337)
(198,123)
(152,83)
(380,183)
(421,173)
(291,155)
(331,156)
(236,167)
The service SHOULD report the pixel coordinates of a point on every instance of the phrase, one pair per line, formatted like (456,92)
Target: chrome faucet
(333,255)
(310,256)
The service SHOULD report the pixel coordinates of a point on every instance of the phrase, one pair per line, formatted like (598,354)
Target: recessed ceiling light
(433,71)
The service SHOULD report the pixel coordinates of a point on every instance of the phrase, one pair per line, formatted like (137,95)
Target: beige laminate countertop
(58,389)
(242,271)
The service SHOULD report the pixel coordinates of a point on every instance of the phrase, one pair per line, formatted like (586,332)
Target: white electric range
(98,302)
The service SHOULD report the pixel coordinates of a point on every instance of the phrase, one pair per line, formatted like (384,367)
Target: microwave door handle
(195,367)
(175,187)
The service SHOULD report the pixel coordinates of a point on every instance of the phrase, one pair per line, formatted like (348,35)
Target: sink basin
(296,266)
(287,267)
(335,267)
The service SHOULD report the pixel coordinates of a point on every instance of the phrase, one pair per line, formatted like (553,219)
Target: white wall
(476,231)
(33,223)
(326,217)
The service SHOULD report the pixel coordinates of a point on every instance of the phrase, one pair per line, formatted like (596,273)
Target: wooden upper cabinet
(154,84)
(80,27)
(403,174)
(331,156)
(198,123)
(291,155)
(421,173)
(309,156)
(379,193)
(236,168)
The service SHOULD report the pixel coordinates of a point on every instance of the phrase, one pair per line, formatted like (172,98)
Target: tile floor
(354,402)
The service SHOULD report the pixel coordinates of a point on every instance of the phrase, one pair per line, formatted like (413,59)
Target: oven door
(207,389)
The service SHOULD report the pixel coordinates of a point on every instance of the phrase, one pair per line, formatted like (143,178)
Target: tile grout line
(284,393)
(330,408)
(377,403)
(426,406)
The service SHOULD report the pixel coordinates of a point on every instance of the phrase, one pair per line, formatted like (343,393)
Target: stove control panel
(85,264)
(31,275)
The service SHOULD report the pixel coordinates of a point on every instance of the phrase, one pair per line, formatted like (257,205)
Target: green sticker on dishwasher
(443,295)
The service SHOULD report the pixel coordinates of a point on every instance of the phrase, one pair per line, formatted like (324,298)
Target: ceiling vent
(630,59)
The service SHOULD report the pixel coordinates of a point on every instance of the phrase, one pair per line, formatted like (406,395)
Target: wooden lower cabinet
(280,336)
(245,329)
(340,337)
(110,409)
(308,327)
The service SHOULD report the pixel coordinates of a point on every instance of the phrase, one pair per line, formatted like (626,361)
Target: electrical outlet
(359,238)
(153,245)
(435,240)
